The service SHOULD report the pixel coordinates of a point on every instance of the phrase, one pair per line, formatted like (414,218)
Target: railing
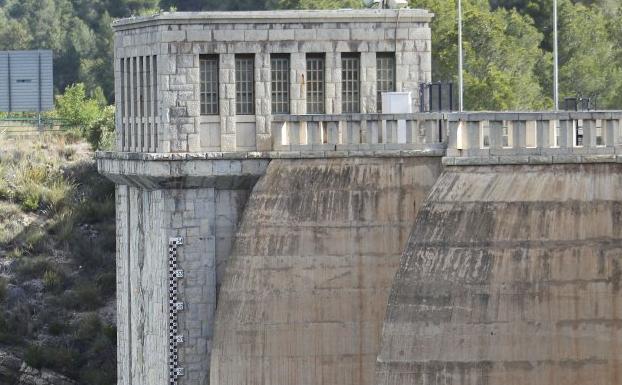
(532,134)
(359,132)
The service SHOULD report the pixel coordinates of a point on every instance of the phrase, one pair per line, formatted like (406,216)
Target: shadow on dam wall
(511,276)
(305,291)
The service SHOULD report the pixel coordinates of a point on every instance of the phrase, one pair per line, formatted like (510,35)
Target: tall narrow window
(350,83)
(209,84)
(315,83)
(279,70)
(244,84)
(385,76)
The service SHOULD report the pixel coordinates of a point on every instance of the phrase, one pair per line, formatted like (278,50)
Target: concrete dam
(278,223)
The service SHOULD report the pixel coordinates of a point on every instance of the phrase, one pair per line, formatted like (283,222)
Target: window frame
(245,86)
(351,82)
(280,66)
(381,79)
(316,83)
(204,61)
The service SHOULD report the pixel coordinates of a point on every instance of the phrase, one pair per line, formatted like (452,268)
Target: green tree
(587,55)
(501,52)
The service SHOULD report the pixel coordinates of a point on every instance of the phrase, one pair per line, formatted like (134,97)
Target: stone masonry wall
(178,39)
(146,219)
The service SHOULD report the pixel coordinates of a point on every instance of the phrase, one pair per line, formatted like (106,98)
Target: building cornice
(280,17)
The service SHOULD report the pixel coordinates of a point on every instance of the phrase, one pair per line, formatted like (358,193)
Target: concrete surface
(305,291)
(511,276)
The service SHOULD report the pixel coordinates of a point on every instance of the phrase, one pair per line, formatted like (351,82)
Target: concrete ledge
(284,17)
(532,159)
(184,173)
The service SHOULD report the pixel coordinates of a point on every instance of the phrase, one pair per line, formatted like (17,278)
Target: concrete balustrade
(359,132)
(489,138)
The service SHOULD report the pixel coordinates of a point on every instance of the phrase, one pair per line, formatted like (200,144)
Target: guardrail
(30,125)
(359,132)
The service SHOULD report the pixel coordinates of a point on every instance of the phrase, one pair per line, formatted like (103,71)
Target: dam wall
(511,276)
(307,282)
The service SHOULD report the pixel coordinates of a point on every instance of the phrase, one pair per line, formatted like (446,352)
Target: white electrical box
(398,103)
(397,4)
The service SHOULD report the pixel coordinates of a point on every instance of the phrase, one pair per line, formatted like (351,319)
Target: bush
(56,328)
(85,296)
(30,268)
(35,356)
(53,281)
(100,133)
(87,117)
(75,109)
(3,288)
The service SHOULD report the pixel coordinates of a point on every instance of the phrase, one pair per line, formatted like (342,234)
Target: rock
(32,376)
(9,368)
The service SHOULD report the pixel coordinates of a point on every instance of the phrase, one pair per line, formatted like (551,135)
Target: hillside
(57,277)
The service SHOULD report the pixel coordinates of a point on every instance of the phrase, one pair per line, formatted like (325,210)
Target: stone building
(191,82)
(201,103)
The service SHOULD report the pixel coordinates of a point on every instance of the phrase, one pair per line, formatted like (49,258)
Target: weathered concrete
(305,291)
(511,277)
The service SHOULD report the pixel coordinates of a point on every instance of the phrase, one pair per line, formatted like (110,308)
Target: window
(350,86)
(209,84)
(385,76)
(600,133)
(244,84)
(531,134)
(279,70)
(315,83)
(484,134)
(507,134)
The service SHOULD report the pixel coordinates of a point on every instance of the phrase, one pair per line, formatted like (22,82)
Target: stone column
(368,82)
(227,102)
(298,62)
(263,104)
(153,206)
(333,83)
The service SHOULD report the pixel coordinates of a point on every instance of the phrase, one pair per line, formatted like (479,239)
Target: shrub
(53,281)
(107,283)
(35,356)
(3,288)
(56,328)
(88,327)
(75,109)
(85,296)
(100,133)
(29,268)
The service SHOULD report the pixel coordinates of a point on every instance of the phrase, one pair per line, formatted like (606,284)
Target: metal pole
(555,58)
(460,79)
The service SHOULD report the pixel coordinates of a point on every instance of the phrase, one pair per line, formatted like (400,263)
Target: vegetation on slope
(57,251)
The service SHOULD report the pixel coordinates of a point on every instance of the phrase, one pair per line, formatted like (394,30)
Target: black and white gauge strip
(174,338)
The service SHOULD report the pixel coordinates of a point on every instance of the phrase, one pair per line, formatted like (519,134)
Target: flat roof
(277,16)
